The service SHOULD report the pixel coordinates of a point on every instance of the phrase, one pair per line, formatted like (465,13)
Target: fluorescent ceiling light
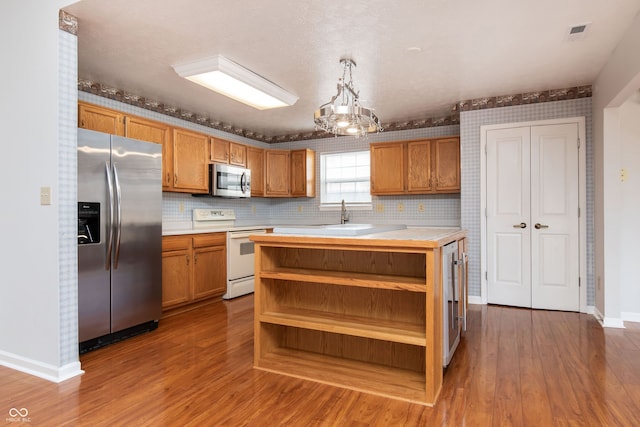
(236,82)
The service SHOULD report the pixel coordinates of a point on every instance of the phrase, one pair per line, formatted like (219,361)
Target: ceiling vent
(578,31)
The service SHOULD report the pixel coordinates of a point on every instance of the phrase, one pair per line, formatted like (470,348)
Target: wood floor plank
(512,367)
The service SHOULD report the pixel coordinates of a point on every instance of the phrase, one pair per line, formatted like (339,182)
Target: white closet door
(532,217)
(554,217)
(508,211)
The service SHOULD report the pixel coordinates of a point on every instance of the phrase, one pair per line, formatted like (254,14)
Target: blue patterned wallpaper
(470,123)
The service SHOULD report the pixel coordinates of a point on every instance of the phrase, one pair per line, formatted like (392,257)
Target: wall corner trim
(40,369)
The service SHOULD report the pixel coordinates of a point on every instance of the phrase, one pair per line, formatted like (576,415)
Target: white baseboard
(629,316)
(39,369)
(475,300)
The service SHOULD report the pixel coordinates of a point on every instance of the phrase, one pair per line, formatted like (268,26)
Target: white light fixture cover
(236,82)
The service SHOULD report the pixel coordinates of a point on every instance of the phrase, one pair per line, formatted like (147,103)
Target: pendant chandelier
(344,115)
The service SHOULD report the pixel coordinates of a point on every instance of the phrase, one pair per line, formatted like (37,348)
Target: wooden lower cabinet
(194,268)
(209,265)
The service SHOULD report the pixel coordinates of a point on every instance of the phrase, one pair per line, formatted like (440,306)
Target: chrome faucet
(344,216)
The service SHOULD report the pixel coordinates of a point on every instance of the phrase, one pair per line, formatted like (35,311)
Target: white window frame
(337,206)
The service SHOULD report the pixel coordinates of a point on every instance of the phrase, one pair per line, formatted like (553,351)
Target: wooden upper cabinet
(419,177)
(159,133)
(190,161)
(100,119)
(146,130)
(447,165)
(255,163)
(416,167)
(387,168)
(219,150)
(303,178)
(278,177)
(228,152)
(237,154)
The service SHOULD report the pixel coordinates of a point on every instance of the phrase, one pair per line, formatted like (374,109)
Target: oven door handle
(240,235)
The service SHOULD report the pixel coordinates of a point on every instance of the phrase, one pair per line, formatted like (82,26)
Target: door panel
(532,217)
(508,206)
(554,193)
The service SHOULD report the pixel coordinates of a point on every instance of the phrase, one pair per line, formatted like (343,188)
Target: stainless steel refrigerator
(119,237)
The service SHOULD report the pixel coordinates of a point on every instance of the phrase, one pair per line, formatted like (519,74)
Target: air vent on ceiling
(578,31)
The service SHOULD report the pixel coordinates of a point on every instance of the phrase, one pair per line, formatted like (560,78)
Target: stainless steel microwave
(229,181)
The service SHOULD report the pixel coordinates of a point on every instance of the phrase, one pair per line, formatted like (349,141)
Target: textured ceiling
(415,58)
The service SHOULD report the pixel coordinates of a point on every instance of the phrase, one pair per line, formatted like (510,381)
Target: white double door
(532,217)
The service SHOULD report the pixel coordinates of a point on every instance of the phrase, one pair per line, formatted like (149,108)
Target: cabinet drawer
(176,243)
(210,239)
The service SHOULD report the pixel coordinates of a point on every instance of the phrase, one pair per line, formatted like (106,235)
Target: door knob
(521,225)
(538,226)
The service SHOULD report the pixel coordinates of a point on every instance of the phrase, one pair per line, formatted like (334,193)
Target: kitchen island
(362,312)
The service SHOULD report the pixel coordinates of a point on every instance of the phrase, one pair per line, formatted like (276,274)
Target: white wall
(30,326)
(617,81)
(629,219)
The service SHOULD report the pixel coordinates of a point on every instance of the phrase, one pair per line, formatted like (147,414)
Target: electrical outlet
(45,195)
(421,207)
(181,207)
(379,207)
(253,209)
(623,175)
(300,208)
(400,207)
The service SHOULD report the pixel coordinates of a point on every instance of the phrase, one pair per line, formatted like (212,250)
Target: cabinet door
(277,173)
(100,119)
(303,180)
(176,277)
(447,165)
(190,161)
(255,163)
(209,271)
(419,178)
(219,150)
(237,154)
(387,168)
(160,133)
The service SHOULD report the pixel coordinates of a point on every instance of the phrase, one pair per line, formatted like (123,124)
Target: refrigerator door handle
(107,265)
(118,219)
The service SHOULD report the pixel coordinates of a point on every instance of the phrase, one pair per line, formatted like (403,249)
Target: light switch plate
(45,195)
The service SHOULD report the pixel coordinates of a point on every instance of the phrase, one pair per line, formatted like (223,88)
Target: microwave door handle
(107,265)
(243,182)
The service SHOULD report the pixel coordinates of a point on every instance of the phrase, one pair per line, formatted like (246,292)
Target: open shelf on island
(389,330)
(369,280)
(373,378)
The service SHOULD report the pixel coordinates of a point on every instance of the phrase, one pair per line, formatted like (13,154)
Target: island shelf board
(368,280)
(387,330)
(367,377)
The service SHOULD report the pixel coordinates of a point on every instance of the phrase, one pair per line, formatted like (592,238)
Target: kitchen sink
(337,229)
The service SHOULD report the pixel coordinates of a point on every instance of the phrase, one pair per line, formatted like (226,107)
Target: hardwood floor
(513,367)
